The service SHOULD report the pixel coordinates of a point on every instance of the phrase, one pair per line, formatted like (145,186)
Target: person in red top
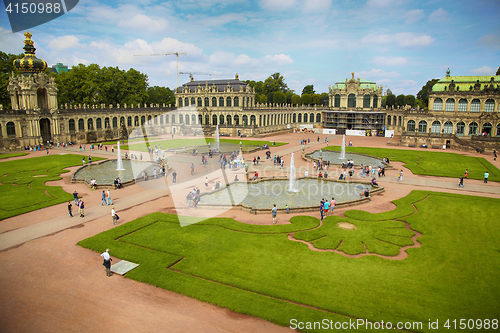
(332,205)
(256,175)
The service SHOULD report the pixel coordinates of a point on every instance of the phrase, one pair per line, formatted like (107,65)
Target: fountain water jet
(119,162)
(217,137)
(342,152)
(293,181)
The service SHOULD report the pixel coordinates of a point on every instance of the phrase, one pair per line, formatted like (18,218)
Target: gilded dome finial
(28,40)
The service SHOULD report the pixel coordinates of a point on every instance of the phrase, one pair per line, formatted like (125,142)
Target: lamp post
(209,147)
(303,149)
(246,168)
(240,145)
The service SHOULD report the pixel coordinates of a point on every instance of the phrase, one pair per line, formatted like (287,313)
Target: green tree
(261,98)
(410,100)
(256,85)
(315,100)
(390,100)
(400,100)
(498,71)
(160,95)
(275,82)
(295,99)
(279,98)
(423,94)
(306,99)
(6,68)
(309,89)
(324,98)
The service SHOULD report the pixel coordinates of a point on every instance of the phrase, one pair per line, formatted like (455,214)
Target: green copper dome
(29,64)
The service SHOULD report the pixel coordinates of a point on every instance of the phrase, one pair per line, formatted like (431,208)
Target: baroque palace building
(463,110)
(355,105)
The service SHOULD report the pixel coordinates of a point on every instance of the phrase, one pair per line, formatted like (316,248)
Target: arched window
(214,119)
(487,129)
(253,120)
(221,120)
(422,126)
(207,101)
(394,121)
(221,101)
(155,120)
(450,104)
(228,120)
(214,101)
(448,127)
(106,122)
(389,120)
(71,125)
(161,120)
(410,126)
(498,130)
(11,128)
(193,101)
(473,128)
(173,119)
(336,101)
(245,120)
(167,119)
(200,119)
(489,106)
(400,120)
(98,123)
(136,121)
(149,120)
(236,101)
(199,102)
(318,117)
(375,102)
(81,125)
(462,105)
(436,127)
(207,120)
(236,120)
(181,118)
(306,117)
(294,118)
(299,118)
(351,101)
(366,101)
(143,120)
(115,122)
(475,105)
(180,102)
(187,119)
(90,124)
(122,121)
(438,104)
(228,101)
(193,119)
(460,128)
(186,101)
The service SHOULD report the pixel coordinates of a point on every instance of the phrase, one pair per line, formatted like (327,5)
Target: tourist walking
(174,177)
(321,209)
(107,262)
(486,175)
(461,182)
(326,207)
(400,177)
(70,208)
(81,206)
(114,215)
(274,211)
(494,154)
(103,198)
(75,196)
(108,197)
(332,205)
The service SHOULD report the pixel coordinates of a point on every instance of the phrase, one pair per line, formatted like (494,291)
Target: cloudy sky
(399,44)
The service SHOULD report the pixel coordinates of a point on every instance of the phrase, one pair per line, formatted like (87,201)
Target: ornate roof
(29,64)
(221,85)
(363,83)
(467,83)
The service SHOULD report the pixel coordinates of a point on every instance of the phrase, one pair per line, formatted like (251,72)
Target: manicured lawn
(176,143)
(257,270)
(128,141)
(432,163)
(22,183)
(12,155)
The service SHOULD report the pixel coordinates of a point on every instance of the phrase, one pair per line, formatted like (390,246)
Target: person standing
(70,208)
(206,183)
(274,211)
(332,205)
(103,198)
(326,207)
(400,178)
(466,173)
(114,215)
(321,209)
(461,181)
(486,175)
(494,154)
(174,176)
(75,196)
(81,206)
(107,262)
(108,197)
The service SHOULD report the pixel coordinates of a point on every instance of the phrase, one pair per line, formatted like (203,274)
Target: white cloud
(12,42)
(143,23)
(216,21)
(405,39)
(376,73)
(414,16)
(77,60)
(383,3)
(64,42)
(280,59)
(317,6)
(485,70)
(227,59)
(390,61)
(438,15)
(490,40)
(277,5)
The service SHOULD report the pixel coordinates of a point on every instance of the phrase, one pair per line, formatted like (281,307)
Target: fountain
(342,152)
(119,162)
(217,138)
(293,181)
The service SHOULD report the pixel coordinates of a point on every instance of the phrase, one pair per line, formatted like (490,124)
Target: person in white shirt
(107,262)
(113,215)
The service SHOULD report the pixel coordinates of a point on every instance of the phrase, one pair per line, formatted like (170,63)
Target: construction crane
(198,73)
(162,54)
